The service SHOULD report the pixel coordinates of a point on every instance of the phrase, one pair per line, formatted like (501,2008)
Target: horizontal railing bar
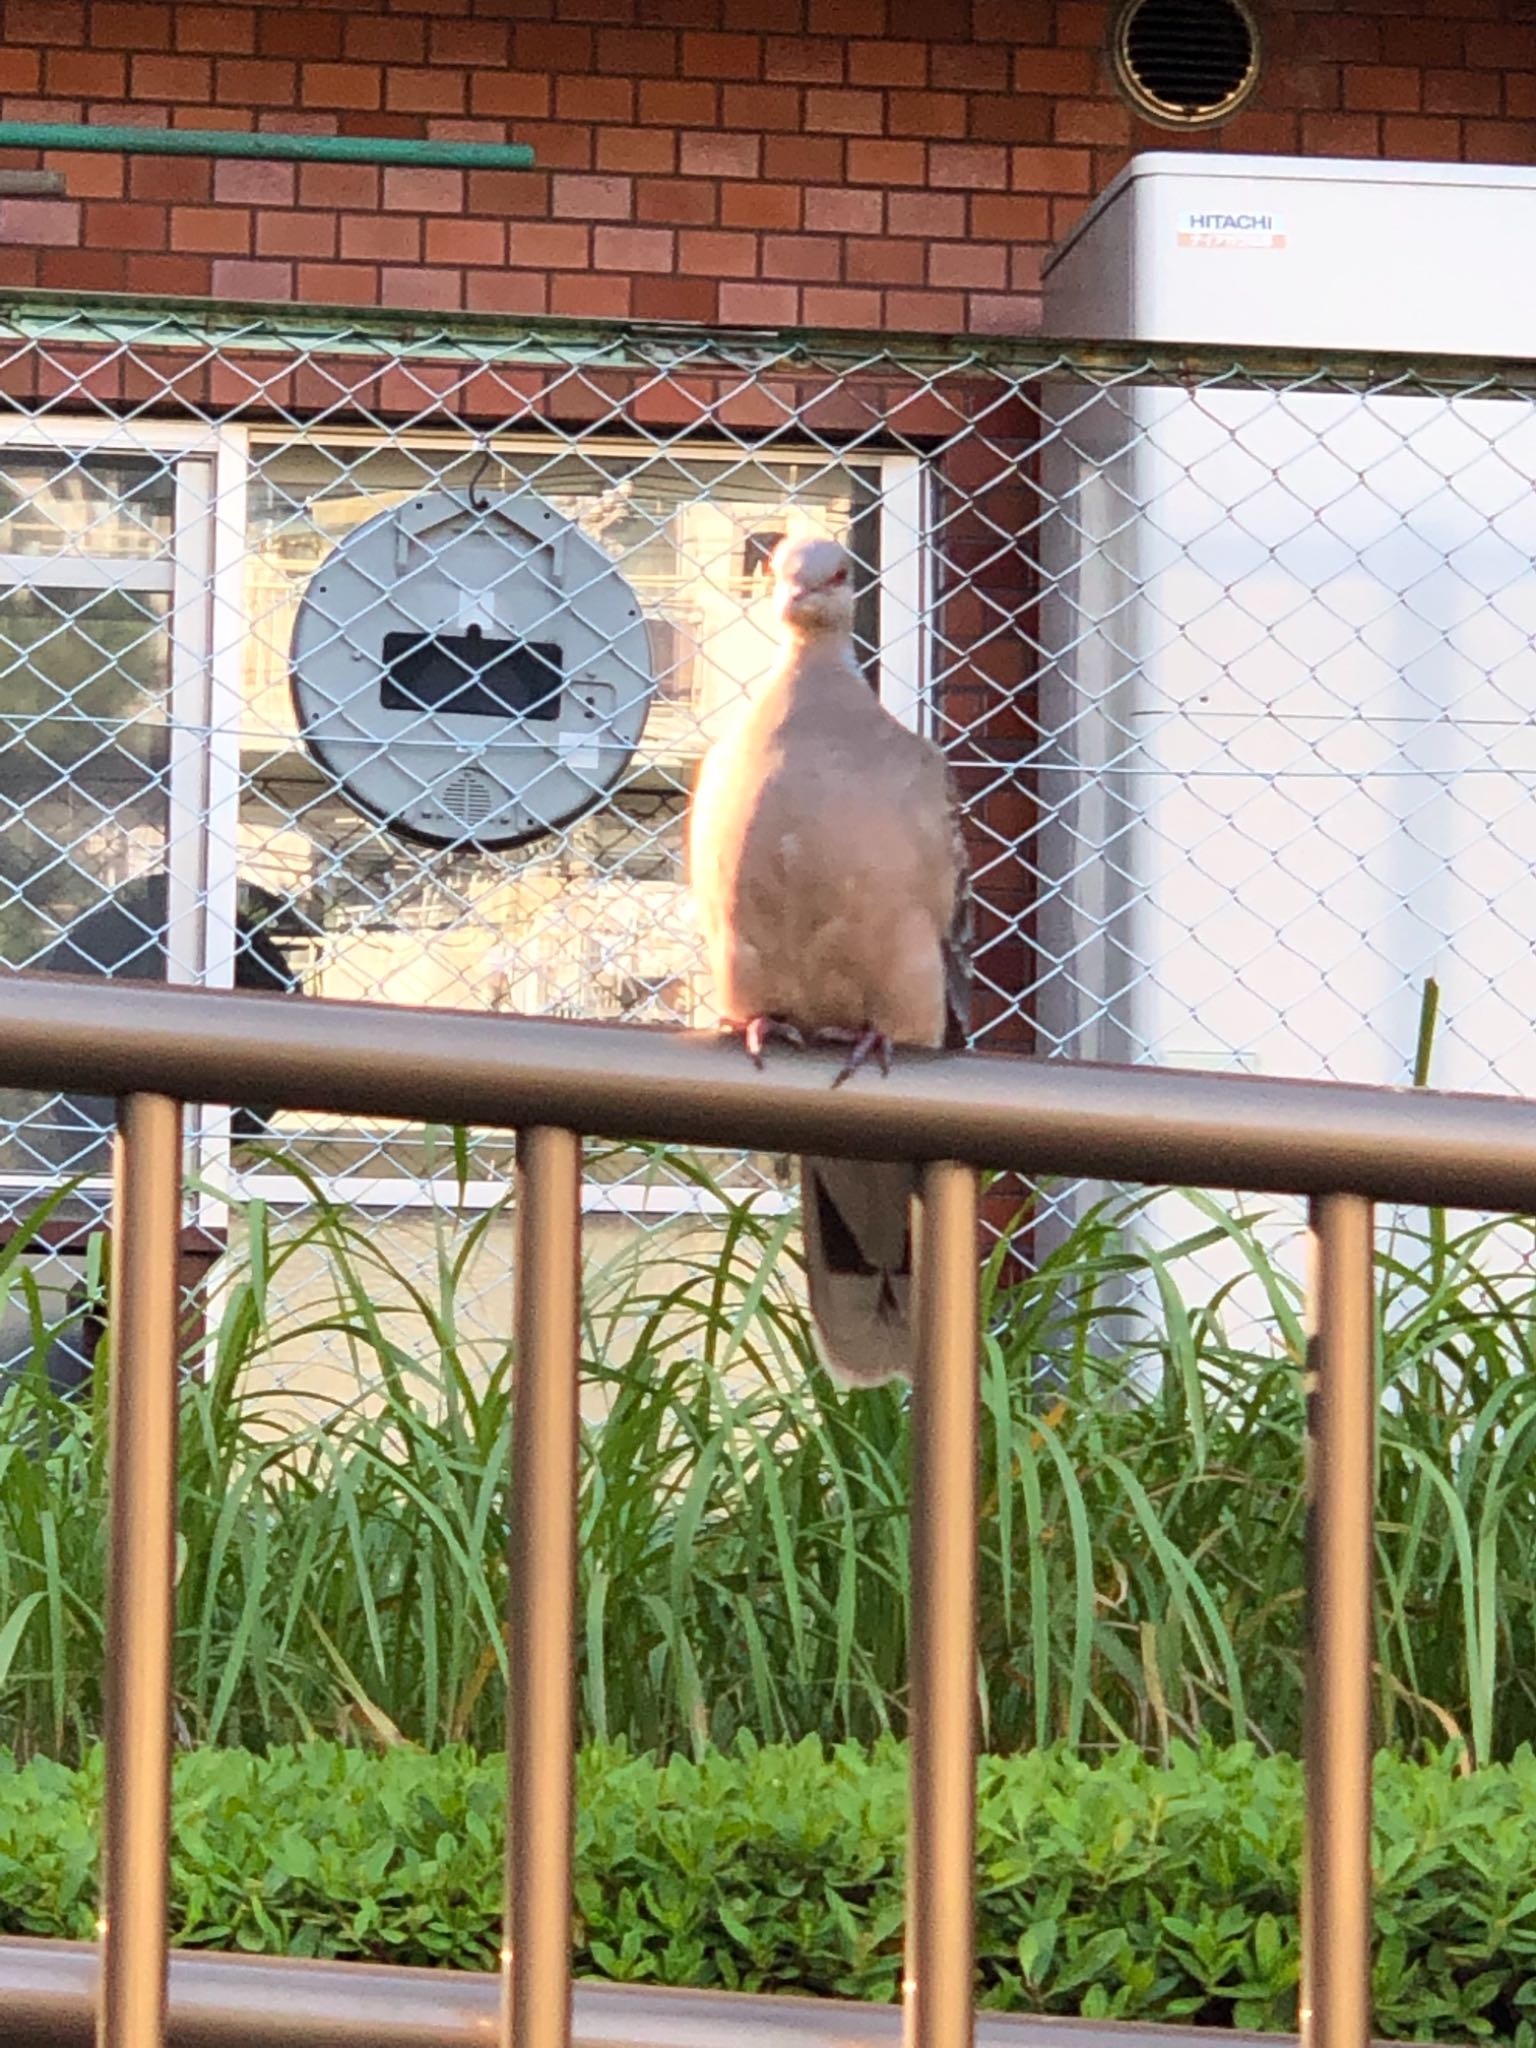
(226,2001)
(630,1081)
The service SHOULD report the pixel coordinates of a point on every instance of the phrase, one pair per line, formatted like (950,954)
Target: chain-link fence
(1233,662)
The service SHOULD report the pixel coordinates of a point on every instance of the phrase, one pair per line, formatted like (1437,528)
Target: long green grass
(743,1526)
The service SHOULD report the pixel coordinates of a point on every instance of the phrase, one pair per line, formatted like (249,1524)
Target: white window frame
(184,578)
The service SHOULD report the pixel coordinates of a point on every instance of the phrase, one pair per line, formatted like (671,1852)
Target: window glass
(107,507)
(84,760)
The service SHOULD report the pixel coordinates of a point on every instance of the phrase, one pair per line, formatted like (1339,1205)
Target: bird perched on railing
(829,873)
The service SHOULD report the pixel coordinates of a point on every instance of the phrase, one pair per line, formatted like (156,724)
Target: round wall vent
(1185,63)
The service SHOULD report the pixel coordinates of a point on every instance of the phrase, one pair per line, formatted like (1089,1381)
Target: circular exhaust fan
(1185,63)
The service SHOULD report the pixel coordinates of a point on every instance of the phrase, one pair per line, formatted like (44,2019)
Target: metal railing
(48,1988)
(155,1049)
(1226,650)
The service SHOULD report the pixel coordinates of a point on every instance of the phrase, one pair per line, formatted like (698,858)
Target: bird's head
(813,587)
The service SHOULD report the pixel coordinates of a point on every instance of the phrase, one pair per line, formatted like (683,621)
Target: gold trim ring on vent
(1185,63)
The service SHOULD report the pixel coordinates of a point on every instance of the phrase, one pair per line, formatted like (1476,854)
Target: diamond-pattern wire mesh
(1232,661)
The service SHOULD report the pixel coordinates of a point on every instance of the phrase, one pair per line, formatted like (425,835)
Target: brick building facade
(855,163)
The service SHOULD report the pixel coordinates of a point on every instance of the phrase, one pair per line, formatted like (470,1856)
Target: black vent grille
(1186,62)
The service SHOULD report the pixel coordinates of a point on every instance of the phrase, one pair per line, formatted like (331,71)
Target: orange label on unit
(1218,229)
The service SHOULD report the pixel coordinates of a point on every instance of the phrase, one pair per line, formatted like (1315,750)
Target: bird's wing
(960,938)
(857,1215)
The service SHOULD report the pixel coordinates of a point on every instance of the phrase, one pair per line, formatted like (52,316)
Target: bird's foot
(758,1030)
(863,1047)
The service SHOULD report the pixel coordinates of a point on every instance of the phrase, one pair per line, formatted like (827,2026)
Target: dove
(828,873)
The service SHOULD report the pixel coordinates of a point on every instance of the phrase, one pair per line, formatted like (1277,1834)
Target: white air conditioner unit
(1290,638)
(1291,632)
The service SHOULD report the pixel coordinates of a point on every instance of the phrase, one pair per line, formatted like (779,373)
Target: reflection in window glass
(84,758)
(589,922)
(114,507)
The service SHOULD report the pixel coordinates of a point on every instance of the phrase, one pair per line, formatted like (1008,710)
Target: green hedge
(1121,1888)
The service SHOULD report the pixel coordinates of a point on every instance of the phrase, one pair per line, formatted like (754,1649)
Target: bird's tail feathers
(858,1223)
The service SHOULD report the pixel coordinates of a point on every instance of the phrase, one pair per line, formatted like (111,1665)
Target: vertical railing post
(1341,1457)
(536,1962)
(141,1567)
(941,1873)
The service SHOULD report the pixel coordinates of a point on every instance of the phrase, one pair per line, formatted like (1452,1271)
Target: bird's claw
(863,1047)
(759,1030)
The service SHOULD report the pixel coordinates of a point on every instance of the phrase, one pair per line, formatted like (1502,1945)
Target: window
(103,576)
(159,813)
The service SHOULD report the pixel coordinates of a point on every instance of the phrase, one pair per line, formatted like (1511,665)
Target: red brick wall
(849,162)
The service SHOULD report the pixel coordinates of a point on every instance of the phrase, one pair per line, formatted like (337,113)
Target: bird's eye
(841,576)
